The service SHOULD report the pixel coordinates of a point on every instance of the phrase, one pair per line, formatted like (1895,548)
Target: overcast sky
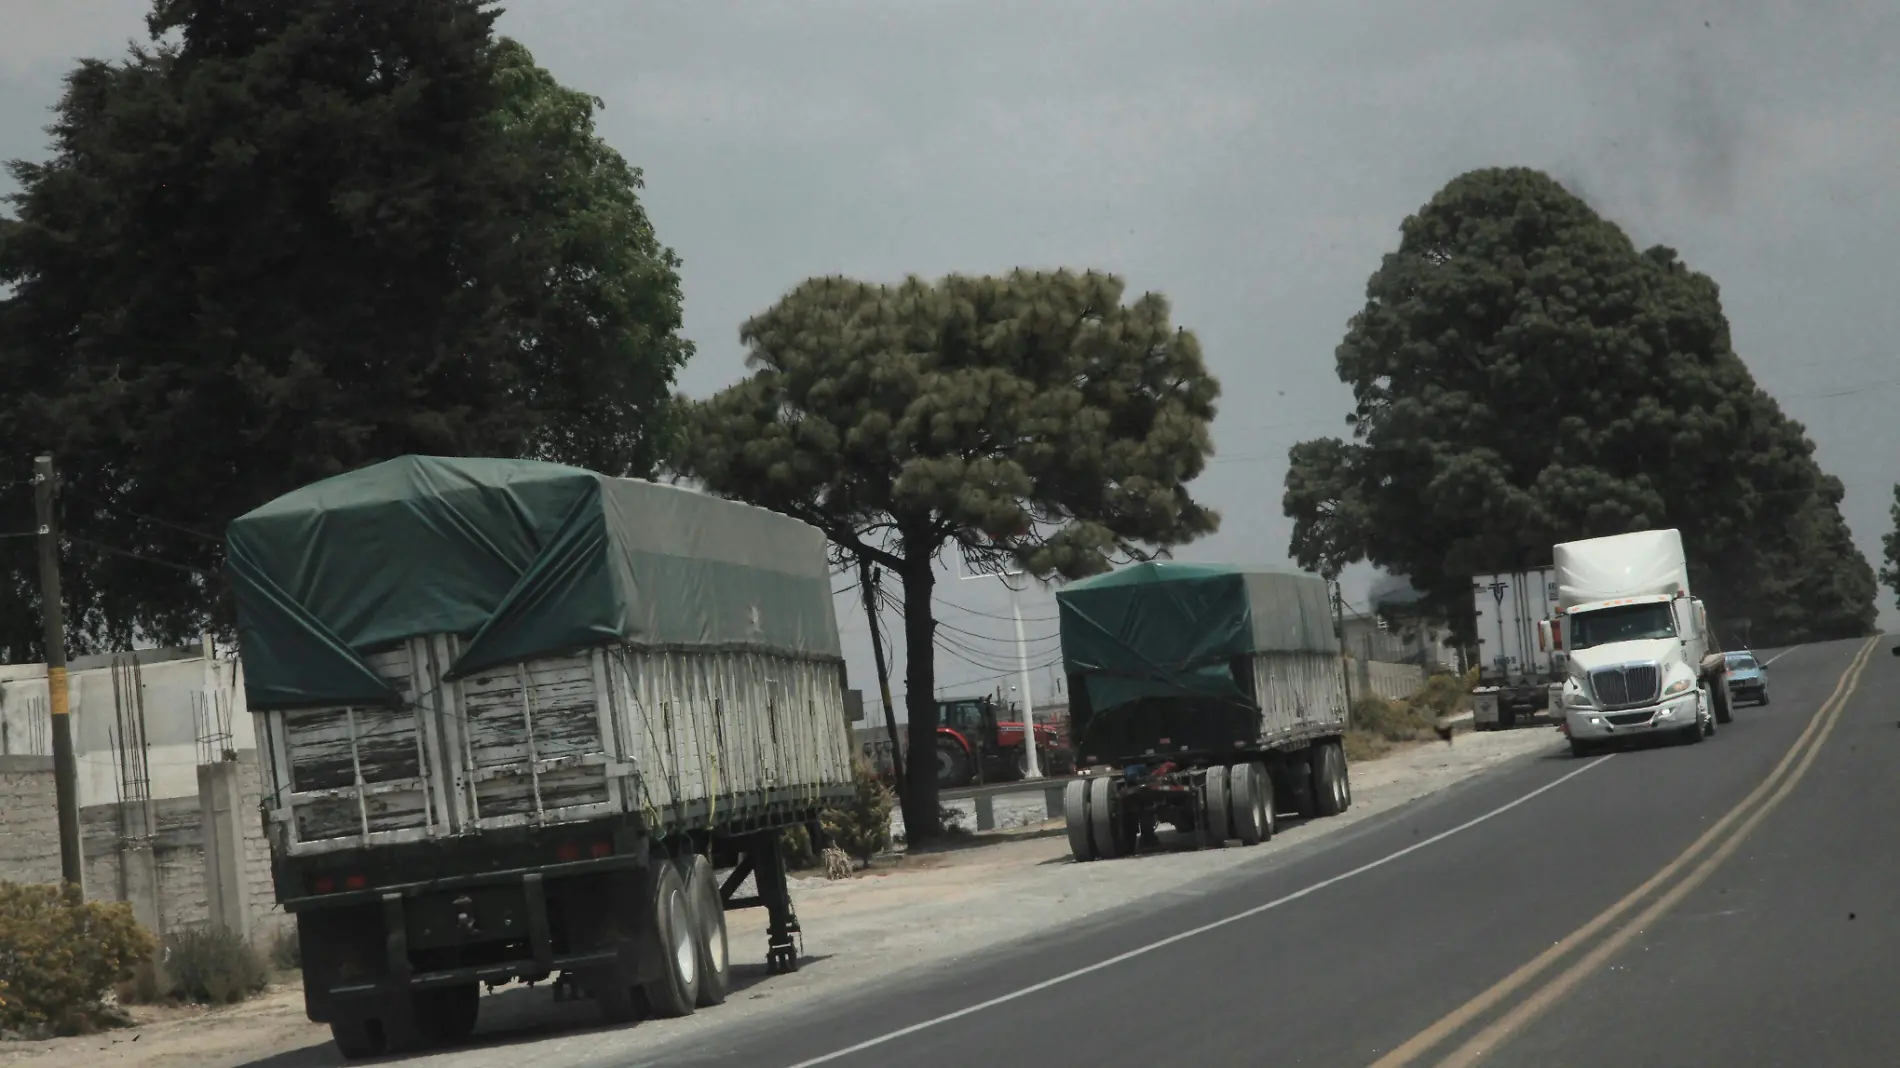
(1250,160)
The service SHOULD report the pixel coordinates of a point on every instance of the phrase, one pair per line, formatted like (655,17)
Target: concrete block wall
(29,820)
(267,917)
(29,845)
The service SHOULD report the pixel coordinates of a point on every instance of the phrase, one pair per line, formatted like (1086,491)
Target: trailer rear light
(568,851)
(355,882)
(323,884)
(601,849)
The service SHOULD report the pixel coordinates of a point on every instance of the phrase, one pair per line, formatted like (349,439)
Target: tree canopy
(1890,574)
(282,241)
(1523,375)
(1032,420)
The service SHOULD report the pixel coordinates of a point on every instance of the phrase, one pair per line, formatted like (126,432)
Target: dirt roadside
(933,908)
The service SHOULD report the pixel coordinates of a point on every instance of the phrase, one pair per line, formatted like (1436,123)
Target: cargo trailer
(515,716)
(1206,697)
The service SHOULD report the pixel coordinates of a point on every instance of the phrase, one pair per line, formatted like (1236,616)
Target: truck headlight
(1678,686)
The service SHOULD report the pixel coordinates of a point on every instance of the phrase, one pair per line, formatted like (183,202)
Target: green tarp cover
(1173,630)
(523,559)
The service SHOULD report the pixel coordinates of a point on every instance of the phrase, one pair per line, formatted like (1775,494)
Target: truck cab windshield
(1624,623)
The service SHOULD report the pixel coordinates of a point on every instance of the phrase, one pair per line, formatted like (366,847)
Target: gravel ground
(905,913)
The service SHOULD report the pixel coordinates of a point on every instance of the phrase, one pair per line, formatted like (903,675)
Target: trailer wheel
(1244,783)
(1329,796)
(1268,796)
(1345,776)
(1215,795)
(357,1036)
(1075,813)
(446,1015)
(1104,834)
(674,988)
(709,926)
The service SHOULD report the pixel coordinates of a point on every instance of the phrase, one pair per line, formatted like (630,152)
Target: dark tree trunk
(921,822)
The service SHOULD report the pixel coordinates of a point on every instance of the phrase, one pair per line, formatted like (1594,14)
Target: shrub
(213,965)
(1362,745)
(796,842)
(286,953)
(862,828)
(1388,721)
(60,954)
(1441,695)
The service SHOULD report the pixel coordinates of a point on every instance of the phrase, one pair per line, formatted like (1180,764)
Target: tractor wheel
(954,767)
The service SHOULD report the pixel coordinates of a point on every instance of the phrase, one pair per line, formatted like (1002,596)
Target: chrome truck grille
(1626,685)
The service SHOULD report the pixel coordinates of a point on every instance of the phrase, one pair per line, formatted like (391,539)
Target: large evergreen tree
(1522,376)
(286,240)
(1032,420)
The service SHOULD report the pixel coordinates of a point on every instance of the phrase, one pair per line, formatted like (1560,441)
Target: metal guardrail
(986,794)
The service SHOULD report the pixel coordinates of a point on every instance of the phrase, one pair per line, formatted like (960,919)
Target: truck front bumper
(1664,717)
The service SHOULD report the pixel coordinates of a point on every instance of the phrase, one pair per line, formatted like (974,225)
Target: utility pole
(1032,764)
(1345,647)
(72,866)
(867,584)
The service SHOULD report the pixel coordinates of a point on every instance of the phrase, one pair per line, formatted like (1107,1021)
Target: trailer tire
(356,1036)
(673,989)
(1329,773)
(1104,831)
(446,1015)
(1215,796)
(1245,807)
(709,925)
(1075,813)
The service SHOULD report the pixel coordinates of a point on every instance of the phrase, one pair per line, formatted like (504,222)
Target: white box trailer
(516,716)
(1506,610)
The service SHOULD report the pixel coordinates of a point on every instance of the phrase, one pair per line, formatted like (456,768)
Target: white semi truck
(1638,654)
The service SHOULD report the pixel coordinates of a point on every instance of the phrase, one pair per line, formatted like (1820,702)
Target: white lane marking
(1779,655)
(1183,936)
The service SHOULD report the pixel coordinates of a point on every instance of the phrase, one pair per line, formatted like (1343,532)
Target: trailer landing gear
(763,858)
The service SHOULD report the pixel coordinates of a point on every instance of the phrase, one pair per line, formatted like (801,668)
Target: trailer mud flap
(540,943)
(396,938)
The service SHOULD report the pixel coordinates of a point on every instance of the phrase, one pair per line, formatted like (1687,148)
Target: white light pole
(1032,764)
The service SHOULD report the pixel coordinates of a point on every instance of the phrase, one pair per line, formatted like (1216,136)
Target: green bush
(862,828)
(1442,695)
(213,965)
(796,843)
(59,955)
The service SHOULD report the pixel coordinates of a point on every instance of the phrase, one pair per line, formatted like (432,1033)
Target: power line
(121,509)
(129,554)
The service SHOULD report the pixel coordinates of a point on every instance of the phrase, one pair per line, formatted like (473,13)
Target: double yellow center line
(1718,842)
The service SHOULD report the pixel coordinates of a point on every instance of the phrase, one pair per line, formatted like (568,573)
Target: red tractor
(973,746)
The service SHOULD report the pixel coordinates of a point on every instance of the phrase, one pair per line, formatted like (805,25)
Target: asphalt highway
(1732,902)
